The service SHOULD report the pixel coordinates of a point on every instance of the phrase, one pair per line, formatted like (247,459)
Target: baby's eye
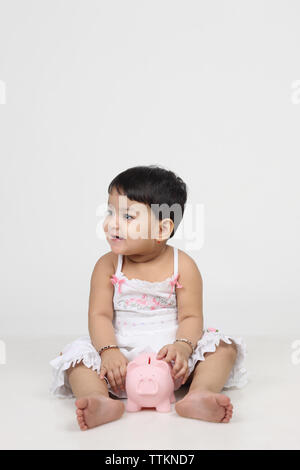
(108,211)
(129,216)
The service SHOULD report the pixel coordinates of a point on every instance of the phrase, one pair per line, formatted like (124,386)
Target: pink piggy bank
(149,384)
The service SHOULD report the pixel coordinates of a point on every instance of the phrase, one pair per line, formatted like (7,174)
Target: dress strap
(175,253)
(120,262)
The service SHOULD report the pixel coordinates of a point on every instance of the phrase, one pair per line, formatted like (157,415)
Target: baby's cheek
(137,231)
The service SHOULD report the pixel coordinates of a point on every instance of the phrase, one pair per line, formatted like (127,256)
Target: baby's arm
(189,302)
(190,317)
(101,330)
(101,308)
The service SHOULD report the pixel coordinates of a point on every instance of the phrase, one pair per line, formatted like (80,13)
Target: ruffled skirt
(82,350)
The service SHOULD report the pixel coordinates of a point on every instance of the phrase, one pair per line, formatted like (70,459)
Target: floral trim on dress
(119,281)
(146,302)
(152,302)
(163,303)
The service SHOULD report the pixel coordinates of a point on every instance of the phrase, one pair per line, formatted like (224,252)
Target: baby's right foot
(97,409)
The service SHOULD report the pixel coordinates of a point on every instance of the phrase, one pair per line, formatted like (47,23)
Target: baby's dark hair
(152,185)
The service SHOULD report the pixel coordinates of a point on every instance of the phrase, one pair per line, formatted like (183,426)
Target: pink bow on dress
(115,280)
(175,283)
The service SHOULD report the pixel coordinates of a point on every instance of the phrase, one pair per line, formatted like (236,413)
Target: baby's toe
(82,423)
(227,416)
(81,403)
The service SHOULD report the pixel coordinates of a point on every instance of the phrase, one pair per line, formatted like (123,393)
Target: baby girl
(146,296)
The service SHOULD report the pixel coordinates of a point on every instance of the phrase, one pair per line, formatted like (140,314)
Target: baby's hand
(179,353)
(114,365)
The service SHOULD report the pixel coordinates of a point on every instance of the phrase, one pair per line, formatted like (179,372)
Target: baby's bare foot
(97,409)
(205,405)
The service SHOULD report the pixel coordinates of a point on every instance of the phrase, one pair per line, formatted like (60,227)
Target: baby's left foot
(206,405)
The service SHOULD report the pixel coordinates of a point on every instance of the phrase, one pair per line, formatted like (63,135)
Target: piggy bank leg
(172,398)
(132,406)
(164,406)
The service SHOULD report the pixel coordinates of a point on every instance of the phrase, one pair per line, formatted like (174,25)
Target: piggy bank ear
(131,365)
(162,365)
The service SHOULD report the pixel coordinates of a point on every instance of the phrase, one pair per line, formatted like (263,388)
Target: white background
(204,88)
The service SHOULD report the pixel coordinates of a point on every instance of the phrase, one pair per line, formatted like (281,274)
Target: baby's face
(133,221)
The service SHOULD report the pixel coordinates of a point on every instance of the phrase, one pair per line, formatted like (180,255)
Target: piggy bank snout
(147,386)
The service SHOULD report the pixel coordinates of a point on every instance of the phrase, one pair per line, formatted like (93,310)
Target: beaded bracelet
(186,341)
(108,347)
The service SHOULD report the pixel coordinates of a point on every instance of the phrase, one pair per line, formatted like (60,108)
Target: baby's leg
(203,400)
(94,407)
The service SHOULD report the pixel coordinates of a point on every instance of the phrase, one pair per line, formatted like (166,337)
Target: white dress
(145,319)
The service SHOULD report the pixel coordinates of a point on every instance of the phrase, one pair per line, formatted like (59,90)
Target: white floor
(266,411)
